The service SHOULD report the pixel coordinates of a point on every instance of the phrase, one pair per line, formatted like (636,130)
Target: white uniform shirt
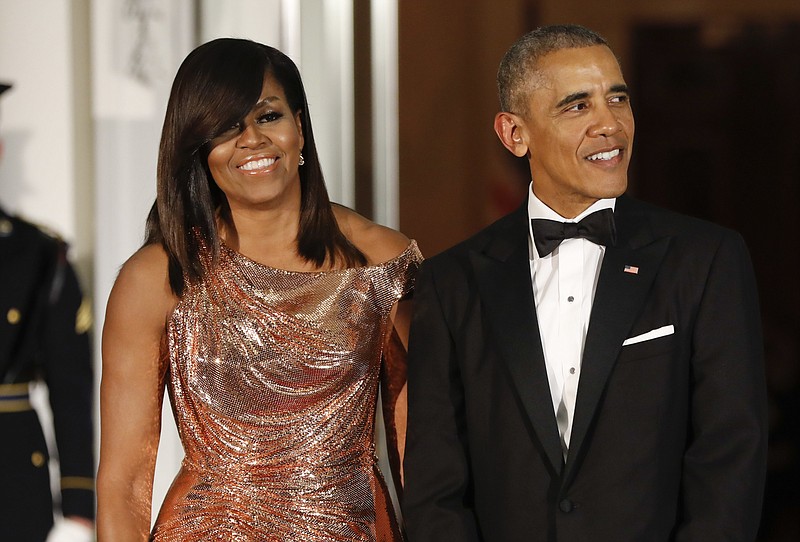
(564,283)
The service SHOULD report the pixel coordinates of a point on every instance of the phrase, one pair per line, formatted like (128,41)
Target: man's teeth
(604,155)
(258,164)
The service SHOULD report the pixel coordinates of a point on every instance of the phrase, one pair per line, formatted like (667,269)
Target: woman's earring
(302,160)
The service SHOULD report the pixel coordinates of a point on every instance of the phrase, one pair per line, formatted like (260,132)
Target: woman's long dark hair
(216,86)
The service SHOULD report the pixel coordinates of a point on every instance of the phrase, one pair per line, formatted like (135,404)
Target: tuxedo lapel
(620,295)
(502,272)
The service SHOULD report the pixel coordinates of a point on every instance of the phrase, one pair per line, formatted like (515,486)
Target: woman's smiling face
(255,162)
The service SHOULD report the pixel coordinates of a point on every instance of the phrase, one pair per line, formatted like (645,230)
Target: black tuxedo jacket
(669,434)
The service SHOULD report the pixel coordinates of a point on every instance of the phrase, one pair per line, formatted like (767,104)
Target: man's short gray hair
(517,70)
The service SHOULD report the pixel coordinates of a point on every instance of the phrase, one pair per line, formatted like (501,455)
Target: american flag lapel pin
(632,269)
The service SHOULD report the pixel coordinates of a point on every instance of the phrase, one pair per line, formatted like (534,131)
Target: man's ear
(508,128)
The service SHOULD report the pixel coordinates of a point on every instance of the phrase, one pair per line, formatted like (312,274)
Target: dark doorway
(718,137)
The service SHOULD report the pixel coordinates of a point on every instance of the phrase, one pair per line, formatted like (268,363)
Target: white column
(385,118)
(258,20)
(137,46)
(318,36)
(326,64)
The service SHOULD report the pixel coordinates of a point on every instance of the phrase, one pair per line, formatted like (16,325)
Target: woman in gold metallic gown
(270,317)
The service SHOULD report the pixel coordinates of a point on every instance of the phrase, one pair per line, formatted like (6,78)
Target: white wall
(44,119)
(137,47)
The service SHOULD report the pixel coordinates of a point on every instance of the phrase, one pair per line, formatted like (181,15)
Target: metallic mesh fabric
(273,379)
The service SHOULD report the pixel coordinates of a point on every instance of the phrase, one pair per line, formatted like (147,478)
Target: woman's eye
(270,116)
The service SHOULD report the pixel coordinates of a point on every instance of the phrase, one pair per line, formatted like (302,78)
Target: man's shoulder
(665,222)
(22,234)
(507,230)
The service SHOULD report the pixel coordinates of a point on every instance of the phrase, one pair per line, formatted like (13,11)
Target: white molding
(326,63)
(385,118)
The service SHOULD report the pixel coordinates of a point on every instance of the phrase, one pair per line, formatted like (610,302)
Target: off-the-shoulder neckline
(412,245)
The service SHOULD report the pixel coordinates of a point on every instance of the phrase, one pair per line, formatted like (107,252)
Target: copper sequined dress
(273,378)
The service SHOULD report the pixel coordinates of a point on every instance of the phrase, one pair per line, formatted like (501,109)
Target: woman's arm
(381,244)
(395,358)
(131,393)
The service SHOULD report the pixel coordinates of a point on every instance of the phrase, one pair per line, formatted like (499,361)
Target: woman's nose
(251,137)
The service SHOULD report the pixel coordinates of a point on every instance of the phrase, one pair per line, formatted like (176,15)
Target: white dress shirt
(564,284)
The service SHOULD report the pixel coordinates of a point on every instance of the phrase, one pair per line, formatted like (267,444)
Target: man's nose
(606,123)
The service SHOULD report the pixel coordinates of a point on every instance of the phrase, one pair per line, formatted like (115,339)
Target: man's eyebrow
(582,95)
(574,97)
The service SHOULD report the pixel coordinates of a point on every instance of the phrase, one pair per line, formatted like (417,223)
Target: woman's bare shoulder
(143,283)
(378,243)
(149,264)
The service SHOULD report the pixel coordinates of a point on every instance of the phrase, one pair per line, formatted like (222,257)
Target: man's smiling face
(578,129)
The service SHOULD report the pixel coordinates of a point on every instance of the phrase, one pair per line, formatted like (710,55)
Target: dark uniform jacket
(44,325)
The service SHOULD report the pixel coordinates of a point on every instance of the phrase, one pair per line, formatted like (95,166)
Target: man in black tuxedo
(604,387)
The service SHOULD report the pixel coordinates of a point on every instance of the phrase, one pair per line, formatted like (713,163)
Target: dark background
(719,140)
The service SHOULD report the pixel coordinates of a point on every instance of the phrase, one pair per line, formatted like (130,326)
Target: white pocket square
(650,335)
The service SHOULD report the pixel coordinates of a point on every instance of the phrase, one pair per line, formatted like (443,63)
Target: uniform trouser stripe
(77,482)
(14,397)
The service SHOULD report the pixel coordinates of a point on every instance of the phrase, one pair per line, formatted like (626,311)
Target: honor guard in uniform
(44,324)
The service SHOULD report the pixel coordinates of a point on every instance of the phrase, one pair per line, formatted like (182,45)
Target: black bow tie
(598,228)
